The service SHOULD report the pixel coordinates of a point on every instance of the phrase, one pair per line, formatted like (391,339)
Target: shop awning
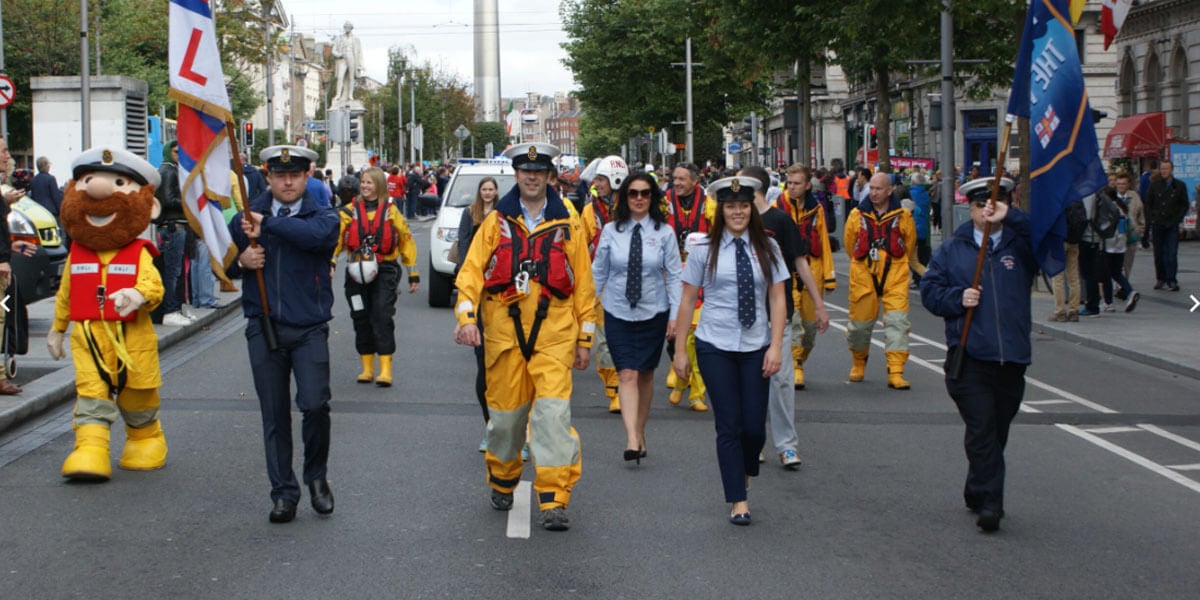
(1137,136)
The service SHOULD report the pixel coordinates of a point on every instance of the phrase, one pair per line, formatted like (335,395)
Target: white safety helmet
(614,168)
(649,168)
(363,271)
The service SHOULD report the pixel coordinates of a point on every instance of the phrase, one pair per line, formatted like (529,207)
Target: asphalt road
(1101,501)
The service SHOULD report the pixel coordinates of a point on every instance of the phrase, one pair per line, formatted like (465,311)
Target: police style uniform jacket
(298,250)
(1000,325)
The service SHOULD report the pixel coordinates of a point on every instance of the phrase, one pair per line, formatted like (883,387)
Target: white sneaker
(176,319)
(1108,308)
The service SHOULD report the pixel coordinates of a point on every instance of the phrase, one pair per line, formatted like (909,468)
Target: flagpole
(268,328)
(955,365)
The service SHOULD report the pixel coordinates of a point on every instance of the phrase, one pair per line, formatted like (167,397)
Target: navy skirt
(636,345)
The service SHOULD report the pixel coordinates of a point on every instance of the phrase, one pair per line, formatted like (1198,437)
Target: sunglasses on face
(639,193)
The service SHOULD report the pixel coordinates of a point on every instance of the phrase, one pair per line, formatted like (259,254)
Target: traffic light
(354,130)
(748,129)
(248,134)
(874,142)
(1098,115)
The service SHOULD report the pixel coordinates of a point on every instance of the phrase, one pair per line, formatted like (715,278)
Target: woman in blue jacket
(988,393)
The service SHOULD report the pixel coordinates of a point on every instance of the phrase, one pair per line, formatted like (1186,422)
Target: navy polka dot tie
(284,211)
(745,284)
(633,275)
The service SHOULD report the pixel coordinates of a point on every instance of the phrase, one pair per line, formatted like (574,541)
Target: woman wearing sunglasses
(637,270)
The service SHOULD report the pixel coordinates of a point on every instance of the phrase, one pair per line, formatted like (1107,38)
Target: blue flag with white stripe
(1065,161)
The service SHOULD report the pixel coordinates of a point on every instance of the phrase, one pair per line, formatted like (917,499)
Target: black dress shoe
(321,496)
(989,520)
(284,511)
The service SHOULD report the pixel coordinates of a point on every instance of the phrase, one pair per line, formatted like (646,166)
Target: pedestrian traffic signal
(748,129)
(248,135)
(874,143)
(354,130)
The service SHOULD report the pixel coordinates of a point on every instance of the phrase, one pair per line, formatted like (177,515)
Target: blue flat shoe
(740,518)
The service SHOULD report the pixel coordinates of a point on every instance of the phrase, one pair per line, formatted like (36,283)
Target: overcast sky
(440,31)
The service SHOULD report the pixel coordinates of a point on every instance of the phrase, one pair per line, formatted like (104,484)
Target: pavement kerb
(58,387)
(1157,362)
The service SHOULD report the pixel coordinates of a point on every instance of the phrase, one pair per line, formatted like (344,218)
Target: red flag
(1112,17)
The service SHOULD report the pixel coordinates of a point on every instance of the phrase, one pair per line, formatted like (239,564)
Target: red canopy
(1137,136)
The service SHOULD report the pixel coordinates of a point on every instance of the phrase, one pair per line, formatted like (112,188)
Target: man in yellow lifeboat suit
(798,201)
(611,172)
(528,274)
(111,287)
(881,239)
(689,210)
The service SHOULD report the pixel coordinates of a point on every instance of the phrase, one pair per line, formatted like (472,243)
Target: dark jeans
(988,396)
(1115,271)
(174,238)
(1166,252)
(739,395)
(1090,267)
(410,207)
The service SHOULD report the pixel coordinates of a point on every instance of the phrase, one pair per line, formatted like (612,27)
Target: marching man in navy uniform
(285,234)
(528,274)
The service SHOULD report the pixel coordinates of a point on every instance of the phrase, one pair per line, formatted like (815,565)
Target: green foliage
(489,131)
(42,39)
(621,54)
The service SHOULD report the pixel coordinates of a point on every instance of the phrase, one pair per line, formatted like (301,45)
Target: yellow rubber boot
(89,461)
(608,375)
(858,369)
(896,360)
(368,372)
(385,371)
(698,405)
(145,448)
(799,374)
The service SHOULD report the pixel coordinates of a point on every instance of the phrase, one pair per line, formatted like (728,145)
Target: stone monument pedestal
(351,153)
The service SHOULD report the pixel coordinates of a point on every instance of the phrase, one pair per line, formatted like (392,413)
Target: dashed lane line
(519,516)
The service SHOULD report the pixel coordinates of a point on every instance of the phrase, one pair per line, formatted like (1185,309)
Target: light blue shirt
(661,269)
(532,221)
(276,205)
(995,237)
(719,323)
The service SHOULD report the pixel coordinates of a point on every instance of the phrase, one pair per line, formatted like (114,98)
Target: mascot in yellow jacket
(110,288)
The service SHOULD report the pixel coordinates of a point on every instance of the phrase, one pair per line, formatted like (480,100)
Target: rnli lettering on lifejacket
(521,257)
(89,287)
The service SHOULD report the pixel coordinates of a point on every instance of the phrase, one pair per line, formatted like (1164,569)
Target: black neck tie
(745,284)
(284,211)
(633,274)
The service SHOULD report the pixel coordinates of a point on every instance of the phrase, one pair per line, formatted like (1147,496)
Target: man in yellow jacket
(528,274)
(881,239)
(611,173)
(110,288)
(798,201)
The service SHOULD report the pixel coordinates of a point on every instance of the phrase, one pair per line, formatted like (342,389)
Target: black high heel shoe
(633,455)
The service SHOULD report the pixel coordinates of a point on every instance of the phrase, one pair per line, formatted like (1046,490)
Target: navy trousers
(739,394)
(988,395)
(304,354)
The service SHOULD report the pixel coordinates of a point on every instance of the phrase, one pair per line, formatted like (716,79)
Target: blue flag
(1048,89)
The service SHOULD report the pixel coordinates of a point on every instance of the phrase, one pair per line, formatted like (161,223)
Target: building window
(1178,83)
(1153,79)
(1126,87)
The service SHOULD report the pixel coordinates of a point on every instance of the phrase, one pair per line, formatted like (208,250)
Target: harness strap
(122,357)
(514,310)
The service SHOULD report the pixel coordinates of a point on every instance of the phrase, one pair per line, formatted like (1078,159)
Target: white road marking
(518,517)
(1028,409)
(1191,467)
(1133,457)
(1178,439)
(1040,402)
(1107,430)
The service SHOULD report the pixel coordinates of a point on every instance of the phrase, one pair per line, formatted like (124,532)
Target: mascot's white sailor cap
(287,159)
(115,160)
(533,157)
(980,189)
(738,188)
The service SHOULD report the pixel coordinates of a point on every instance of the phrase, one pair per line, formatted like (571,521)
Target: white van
(458,196)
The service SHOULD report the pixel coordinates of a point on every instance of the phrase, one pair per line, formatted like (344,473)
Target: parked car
(33,277)
(459,195)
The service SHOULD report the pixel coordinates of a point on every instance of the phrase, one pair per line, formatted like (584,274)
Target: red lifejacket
(599,218)
(884,233)
(685,221)
(378,234)
(90,287)
(542,255)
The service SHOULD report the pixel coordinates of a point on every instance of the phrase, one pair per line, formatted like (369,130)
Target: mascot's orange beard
(133,212)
